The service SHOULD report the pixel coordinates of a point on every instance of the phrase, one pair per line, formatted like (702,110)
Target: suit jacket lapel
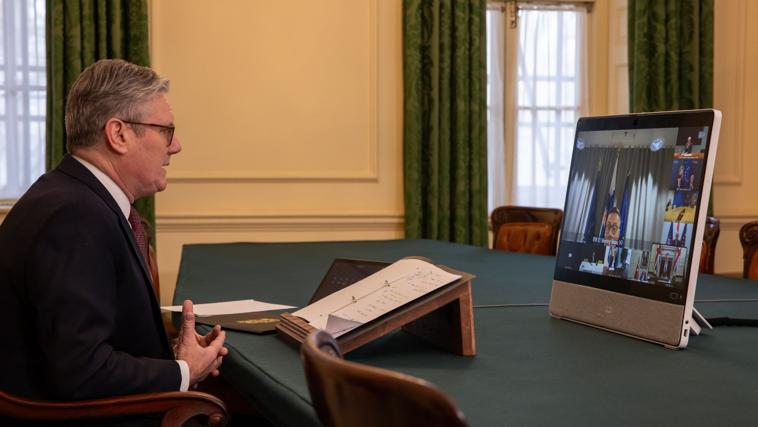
(72,167)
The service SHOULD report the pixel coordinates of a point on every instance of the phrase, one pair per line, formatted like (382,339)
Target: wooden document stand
(444,317)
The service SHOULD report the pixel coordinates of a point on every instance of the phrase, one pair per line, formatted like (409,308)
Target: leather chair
(348,394)
(176,407)
(749,240)
(710,238)
(529,237)
(526,229)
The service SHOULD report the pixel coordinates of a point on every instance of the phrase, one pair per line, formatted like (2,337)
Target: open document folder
(374,296)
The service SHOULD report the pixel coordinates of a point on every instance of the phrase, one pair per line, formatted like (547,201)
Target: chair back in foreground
(749,240)
(177,408)
(710,238)
(526,229)
(349,394)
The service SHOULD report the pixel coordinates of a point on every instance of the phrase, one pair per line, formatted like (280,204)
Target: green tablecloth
(530,369)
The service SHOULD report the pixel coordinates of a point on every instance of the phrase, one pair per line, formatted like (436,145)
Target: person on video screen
(613,226)
(688,145)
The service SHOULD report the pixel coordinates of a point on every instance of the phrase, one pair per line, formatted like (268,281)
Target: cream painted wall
(736,95)
(290,114)
(290,118)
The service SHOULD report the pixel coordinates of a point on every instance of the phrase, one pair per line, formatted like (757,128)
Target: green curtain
(445,122)
(670,54)
(80,32)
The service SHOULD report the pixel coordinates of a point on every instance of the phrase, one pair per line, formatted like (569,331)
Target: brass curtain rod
(513,6)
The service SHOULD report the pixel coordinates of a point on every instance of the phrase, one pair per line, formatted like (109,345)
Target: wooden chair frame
(177,407)
(344,393)
(749,241)
(710,238)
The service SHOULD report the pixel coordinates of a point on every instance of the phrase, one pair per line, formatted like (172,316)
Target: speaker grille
(647,319)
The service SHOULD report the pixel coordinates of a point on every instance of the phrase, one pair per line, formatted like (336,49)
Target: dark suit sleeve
(77,271)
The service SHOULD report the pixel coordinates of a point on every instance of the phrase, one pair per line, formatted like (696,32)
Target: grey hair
(106,89)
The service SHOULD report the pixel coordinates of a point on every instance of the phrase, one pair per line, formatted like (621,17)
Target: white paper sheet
(229,307)
(336,326)
(380,293)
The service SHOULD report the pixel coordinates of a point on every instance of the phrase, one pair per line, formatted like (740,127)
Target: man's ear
(115,135)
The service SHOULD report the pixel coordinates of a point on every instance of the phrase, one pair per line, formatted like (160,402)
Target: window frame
(510,45)
(23,53)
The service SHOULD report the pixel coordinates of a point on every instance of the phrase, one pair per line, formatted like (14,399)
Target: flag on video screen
(590,223)
(610,201)
(624,209)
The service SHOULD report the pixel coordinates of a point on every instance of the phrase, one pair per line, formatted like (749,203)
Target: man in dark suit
(78,313)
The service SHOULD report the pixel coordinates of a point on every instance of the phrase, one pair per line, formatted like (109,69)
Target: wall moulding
(192,222)
(369,175)
(359,164)
(736,220)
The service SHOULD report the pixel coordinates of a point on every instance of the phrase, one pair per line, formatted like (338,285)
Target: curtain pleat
(78,34)
(670,54)
(444,133)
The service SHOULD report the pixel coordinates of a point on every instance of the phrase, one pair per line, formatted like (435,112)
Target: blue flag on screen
(624,209)
(610,201)
(590,223)
(670,236)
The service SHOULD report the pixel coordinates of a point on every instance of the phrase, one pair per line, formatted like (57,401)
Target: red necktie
(139,233)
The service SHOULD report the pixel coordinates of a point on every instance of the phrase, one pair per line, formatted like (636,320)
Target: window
(536,93)
(22,95)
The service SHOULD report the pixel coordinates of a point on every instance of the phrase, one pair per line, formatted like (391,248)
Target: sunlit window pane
(548,105)
(22,95)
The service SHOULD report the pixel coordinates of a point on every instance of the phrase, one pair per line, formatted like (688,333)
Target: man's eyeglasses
(168,130)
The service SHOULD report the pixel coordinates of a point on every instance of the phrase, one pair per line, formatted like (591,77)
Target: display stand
(444,317)
(698,322)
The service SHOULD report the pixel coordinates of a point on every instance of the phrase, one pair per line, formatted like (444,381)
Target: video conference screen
(631,207)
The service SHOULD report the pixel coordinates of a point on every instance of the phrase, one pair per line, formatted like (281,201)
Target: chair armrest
(177,407)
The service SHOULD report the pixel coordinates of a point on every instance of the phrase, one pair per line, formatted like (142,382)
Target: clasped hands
(203,353)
